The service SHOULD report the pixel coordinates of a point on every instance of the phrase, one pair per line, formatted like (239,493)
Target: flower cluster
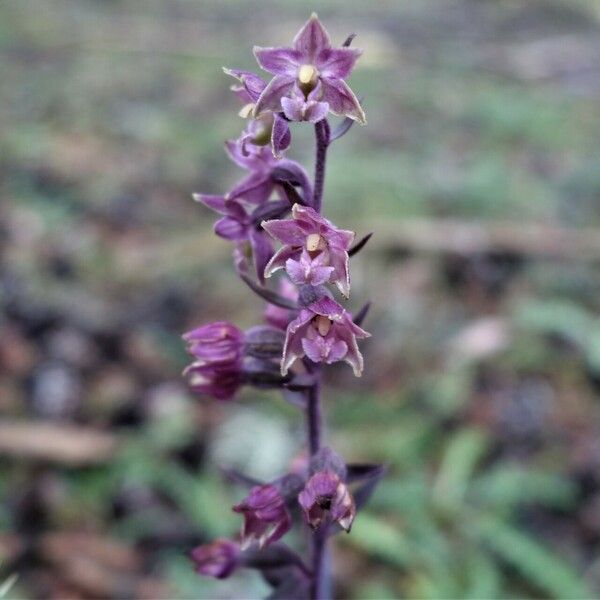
(276,204)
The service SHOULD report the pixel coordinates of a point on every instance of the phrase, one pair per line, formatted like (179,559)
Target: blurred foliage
(483,371)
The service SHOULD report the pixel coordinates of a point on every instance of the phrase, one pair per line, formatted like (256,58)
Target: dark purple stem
(322,133)
(320,581)
(314,419)
(314,416)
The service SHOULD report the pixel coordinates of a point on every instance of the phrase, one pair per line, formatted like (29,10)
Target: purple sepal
(281,136)
(266,518)
(217,559)
(252,85)
(325,496)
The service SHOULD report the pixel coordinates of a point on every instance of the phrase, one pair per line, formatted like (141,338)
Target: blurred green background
(479,172)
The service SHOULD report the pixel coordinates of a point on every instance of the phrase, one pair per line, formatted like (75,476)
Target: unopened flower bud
(264,342)
(218,351)
(217,559)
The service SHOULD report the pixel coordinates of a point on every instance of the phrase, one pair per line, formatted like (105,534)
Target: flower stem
(314,419)
(322,133)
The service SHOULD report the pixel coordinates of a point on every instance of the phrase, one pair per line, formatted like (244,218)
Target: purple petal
(287,231)
(252,84)
(216,203)
(349,331)
(341,238)
(280,136)
(337,63)
(292,348)
(310,272)
(256,188)
(279,61)
(342,100)
(230,229)
(311,40)
(270,99)
(293,108)
(339,261)
(262,251)
(279,258)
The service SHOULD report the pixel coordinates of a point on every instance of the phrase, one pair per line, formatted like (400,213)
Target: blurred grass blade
(462,454)
(548,572)
(8,584)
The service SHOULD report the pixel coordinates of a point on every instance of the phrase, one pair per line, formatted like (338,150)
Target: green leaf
(462,454)
(8,584)
(379,538)
(483,577)
(509,486)
(540,567)
(567,319)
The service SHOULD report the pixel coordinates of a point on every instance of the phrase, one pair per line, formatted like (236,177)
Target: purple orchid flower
(267,127)
(309,231)
(299,71)
(217,559)
(218,351)
(266,517)
(324,332)
(237,225)
(325,494)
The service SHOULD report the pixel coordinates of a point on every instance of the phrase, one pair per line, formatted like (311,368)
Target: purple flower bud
(310,65)
(218,350)
(266,518)
(218,559)
(325,494)
(324,332)
(308,231)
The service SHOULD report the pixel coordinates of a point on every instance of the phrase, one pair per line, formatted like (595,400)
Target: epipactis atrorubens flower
(236,225)
(217,559)
(218,366)
(314,249)
(266,517)
(324,332)
(269,127)
(325,496)
(310,65)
